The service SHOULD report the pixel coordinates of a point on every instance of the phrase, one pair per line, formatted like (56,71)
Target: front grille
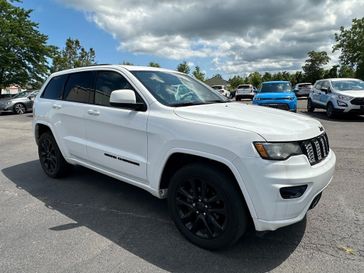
(358,101)
(316,149)
(281,106)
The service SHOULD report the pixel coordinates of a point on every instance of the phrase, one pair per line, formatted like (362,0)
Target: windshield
(174,89)
(276,87)
(348,85)
(20,95)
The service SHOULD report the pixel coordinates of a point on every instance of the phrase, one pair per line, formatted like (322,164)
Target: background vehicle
(244,91)
(276,94)
(303,89)
(167,133)
(338,95)
(18,104)
(221,89)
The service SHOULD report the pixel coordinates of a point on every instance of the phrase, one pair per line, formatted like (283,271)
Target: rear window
(245,86)
(54,88)
(79,87)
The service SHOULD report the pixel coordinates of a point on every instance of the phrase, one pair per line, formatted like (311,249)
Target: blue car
(276,94)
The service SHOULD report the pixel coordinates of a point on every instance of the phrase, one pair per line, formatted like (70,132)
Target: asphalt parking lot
(89,222)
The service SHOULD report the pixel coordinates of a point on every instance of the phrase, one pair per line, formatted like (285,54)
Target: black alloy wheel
(51,159)
(206,206)
(201,209)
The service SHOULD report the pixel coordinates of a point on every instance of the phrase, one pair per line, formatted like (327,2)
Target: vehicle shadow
(139,223)
(346,118)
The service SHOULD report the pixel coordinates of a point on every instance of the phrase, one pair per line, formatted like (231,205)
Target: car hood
(274,95)
(352,93)
(271,124)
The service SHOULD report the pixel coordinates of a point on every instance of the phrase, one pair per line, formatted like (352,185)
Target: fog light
(292,192)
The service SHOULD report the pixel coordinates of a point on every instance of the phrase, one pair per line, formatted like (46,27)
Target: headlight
(344,98)
(277,151)
(8,102)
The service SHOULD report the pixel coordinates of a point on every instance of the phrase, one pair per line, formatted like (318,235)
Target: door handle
(56,106)
(93,112)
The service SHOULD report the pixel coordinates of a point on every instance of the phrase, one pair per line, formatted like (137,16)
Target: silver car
(19,103)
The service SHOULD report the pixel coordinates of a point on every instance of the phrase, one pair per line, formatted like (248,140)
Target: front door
(116,137)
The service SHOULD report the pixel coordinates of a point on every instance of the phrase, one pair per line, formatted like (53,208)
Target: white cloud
(238,36)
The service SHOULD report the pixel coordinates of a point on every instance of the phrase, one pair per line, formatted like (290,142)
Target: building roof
(216,80)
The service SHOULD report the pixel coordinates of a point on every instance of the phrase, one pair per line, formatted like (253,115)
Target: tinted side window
(79,87)
(54,88)
(106,82)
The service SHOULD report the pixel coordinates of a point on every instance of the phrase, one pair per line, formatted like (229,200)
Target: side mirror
(325,89)
(125,98)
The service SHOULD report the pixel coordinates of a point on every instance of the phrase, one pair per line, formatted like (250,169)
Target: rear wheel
(330,111)
(206,206)
(19,108)
(310,106)
(51,158)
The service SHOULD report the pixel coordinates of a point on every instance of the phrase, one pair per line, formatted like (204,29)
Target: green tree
(23,49)
(296,77)
(313,67)
(346,71)
(351,43)
(73,55)
(153,64)
(266,77)
(332,72)
(255,78)
(198,74)
(183,67)
(126,63)
(235,81)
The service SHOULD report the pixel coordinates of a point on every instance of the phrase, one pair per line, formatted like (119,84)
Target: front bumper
(263,179)
(350,108)
(290,105)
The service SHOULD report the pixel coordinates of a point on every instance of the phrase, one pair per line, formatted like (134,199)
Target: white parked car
(245,91)
(338,95)
(303,89)
(221,89)
(221,164)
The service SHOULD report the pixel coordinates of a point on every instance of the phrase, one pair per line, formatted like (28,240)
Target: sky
(227,37)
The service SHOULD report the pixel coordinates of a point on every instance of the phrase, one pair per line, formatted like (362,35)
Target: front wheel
(206,206)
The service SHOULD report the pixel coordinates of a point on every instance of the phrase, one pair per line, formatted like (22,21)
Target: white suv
(244,91)
(221,164)
(338,95)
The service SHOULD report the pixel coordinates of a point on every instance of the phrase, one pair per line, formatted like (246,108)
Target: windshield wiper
(187,104)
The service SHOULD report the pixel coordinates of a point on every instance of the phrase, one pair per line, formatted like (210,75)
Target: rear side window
(54,88)
(106,82)
(318,85)
(79,87)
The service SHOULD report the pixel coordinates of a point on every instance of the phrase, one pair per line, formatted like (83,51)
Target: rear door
(69,110)
(325,95)
(116,137)
(316,92)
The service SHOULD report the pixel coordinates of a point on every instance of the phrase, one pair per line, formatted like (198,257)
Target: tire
(330,111)
(19,109)
(237,98)
(51,158)
(206,207)
(310,106)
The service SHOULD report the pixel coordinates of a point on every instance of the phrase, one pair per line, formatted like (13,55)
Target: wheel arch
(177,160)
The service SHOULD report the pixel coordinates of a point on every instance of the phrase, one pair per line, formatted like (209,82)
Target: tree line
(27,59)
